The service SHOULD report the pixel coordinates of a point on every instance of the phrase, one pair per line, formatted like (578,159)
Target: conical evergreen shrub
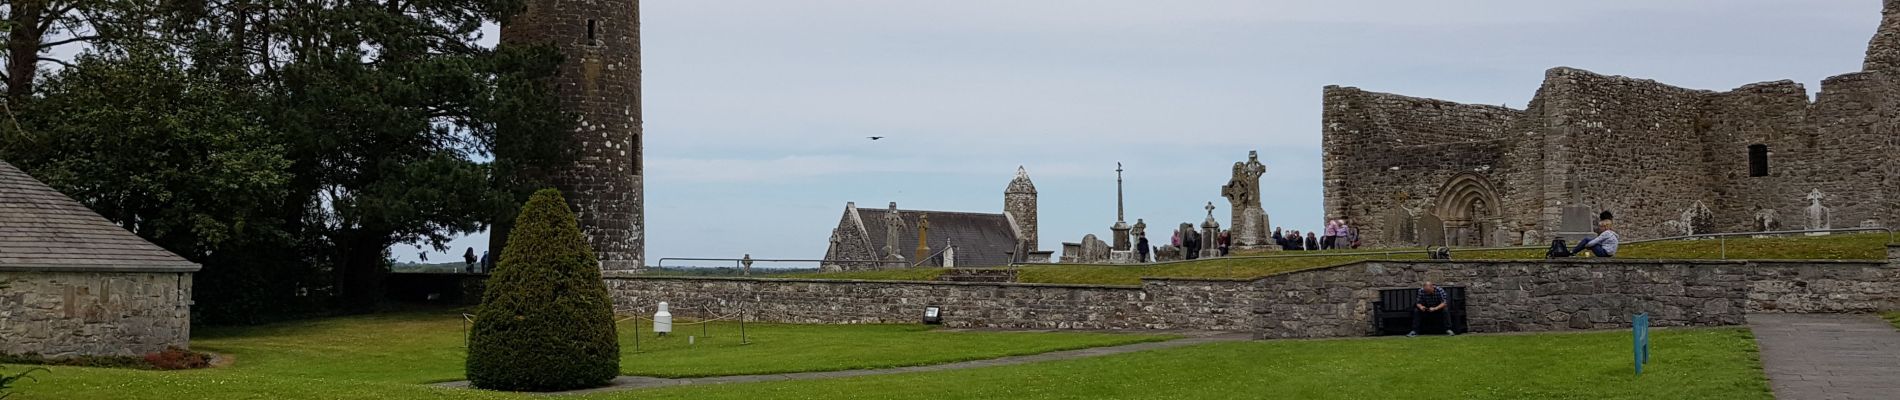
(545,323)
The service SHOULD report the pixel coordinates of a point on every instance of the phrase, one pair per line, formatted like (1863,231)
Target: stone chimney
(1883,52)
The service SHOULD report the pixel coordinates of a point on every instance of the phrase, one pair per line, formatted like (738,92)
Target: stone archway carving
(1468,205)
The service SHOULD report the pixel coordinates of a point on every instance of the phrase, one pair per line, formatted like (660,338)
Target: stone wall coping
(1192,279)
(95,268)
(627,276)
(1592,261)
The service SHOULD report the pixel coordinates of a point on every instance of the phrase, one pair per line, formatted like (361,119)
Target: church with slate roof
(892,237)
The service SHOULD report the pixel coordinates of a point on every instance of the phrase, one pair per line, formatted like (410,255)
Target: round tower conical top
(1021,184)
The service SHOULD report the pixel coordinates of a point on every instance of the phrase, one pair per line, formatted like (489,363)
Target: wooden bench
(1392,313)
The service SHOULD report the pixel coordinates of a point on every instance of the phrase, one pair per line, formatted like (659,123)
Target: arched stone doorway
(1468,205)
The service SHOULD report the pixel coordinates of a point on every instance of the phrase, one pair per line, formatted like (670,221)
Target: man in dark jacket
(1312,241)
(1431,303)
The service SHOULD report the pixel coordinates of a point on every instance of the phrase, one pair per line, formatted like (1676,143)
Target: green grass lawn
(1892,317)
(1832,247)
(1687,364)
(424,347)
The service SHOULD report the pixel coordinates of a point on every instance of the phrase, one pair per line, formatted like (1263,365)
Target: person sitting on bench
(1432,301)
(1603,245)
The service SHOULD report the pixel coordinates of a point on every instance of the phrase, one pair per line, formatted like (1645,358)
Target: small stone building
(1666,160)
(76,284)
(890,237)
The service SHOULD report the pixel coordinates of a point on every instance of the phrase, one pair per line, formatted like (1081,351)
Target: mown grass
(1688,364)
(406,349)
(1830,247)
(1892,317)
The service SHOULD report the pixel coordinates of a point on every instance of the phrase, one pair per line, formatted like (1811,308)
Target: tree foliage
(545,322)
(286,144)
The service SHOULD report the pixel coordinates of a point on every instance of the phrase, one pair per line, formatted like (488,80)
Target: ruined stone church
(890,237)
(1665,160)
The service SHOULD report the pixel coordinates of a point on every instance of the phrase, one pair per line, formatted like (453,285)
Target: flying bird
(876,137)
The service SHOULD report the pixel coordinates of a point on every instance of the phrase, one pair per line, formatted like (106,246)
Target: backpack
(1557,249)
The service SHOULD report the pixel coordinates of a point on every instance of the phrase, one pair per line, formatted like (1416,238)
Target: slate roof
(43,230)
(982,240)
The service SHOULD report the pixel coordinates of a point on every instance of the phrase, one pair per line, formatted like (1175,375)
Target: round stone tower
(599,81)
(1019,202)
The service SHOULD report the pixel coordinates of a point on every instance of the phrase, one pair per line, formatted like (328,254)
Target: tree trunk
(23,48)
(360,267)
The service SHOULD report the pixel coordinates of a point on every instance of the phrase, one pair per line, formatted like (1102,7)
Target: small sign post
(1639,326)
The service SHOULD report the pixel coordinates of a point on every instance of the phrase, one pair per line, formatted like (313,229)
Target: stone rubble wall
(1365,135)
(1157,304)
(1652,153)
(1512,296)
(1503,296)
(66,314)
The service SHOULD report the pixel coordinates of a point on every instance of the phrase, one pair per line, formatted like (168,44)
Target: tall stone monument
(1249,219)
(1120,228)
(599,82)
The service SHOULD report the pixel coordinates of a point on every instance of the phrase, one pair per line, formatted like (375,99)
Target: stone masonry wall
(1652,153)
(1367,134)
(64,314)
(1157,304)
(1503,296)
(1629,146)
(1507,296)
(599,82)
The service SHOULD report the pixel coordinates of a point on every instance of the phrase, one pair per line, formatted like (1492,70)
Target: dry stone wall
(1157,304)
(1511,296)
(65,314)
(1503,296)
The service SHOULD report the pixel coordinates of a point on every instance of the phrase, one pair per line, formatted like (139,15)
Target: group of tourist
(1191,243)
(1337,235)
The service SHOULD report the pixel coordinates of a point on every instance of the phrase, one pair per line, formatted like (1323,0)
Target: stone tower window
(1758,160)
(590,34)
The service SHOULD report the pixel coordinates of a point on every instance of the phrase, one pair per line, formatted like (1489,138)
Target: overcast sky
(757,110)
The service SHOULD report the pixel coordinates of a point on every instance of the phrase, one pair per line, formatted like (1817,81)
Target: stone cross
(1210,211)
(893,227)
(923,237)
(1818,217)
(1248,219)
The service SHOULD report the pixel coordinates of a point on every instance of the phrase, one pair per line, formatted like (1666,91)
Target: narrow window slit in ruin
(1758,160)
(590,34)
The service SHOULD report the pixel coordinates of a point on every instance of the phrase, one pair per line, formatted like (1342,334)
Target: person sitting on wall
(1312,241)
(1432,301)
(1602,245)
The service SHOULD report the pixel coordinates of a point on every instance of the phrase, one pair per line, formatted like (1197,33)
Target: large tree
(308,133)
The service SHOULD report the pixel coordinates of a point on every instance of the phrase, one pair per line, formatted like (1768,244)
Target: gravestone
(1579,221)
(1818,216)
(1210,234)
(1431,230)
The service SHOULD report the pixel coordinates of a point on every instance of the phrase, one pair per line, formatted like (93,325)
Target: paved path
(643,382)
(1828,356)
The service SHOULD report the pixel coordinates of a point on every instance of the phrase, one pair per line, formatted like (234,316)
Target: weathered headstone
(1210,234)
(1818,216)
